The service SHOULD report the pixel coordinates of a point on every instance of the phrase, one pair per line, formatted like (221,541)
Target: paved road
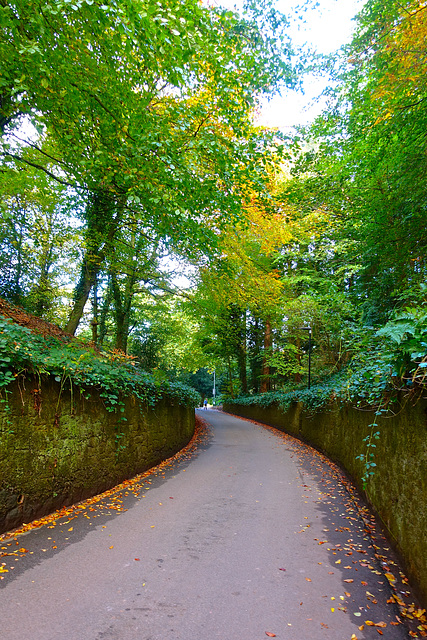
(252,535)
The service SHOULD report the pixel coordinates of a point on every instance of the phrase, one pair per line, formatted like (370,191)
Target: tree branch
(66,183)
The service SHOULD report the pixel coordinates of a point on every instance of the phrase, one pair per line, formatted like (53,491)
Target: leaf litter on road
(376,566)
(105,504)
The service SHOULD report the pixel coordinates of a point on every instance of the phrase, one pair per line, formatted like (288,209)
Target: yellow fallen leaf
(112,547)
(390,577)
(337,561)
(353,636)
(70,529)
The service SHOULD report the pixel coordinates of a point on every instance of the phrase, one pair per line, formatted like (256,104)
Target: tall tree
(147,104)
(368,160)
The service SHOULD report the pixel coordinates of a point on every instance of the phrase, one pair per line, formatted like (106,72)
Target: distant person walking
(205,403)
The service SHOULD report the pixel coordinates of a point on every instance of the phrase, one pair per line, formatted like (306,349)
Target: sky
(326,29)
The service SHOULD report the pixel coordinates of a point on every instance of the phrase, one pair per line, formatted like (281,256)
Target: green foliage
(407,331)
(39,240)
(114,374)
(317,398)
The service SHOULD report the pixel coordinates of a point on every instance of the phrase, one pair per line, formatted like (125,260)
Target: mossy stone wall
(56,449)
(398,489)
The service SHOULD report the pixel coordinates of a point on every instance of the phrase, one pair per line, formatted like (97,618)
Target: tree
(38,240)
(147,105)
(367,164)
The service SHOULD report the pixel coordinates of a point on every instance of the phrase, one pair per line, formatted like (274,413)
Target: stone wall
(59,448)
(398,489)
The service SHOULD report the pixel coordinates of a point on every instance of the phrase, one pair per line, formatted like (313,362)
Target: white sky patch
(324,28)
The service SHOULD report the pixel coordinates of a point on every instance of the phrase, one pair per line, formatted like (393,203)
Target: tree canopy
(143,153)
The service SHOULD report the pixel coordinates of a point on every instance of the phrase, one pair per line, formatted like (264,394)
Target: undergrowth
(74,364)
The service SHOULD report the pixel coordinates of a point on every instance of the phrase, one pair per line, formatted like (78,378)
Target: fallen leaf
(137,559)
(349,580)
(112,546)
(369,623)
(308,579)
(282,569)
(270,635)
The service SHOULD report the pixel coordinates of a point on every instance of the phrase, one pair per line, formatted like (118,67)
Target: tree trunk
(241,355)
(265,377)
(103,214)
(121,314)
(297,376)
(255,358)
(42,302)
(94,322)
(230,377)
(88,275)
(105,308)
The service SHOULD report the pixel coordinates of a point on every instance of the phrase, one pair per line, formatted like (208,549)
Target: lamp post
(309,353)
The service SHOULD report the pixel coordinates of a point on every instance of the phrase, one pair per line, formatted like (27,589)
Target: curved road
(252,535)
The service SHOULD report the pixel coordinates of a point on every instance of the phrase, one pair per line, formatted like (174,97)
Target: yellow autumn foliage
(405,51)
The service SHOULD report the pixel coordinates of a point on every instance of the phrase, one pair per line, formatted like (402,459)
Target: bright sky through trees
(324,28)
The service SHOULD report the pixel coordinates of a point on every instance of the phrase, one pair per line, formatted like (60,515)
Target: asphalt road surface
(252,536)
